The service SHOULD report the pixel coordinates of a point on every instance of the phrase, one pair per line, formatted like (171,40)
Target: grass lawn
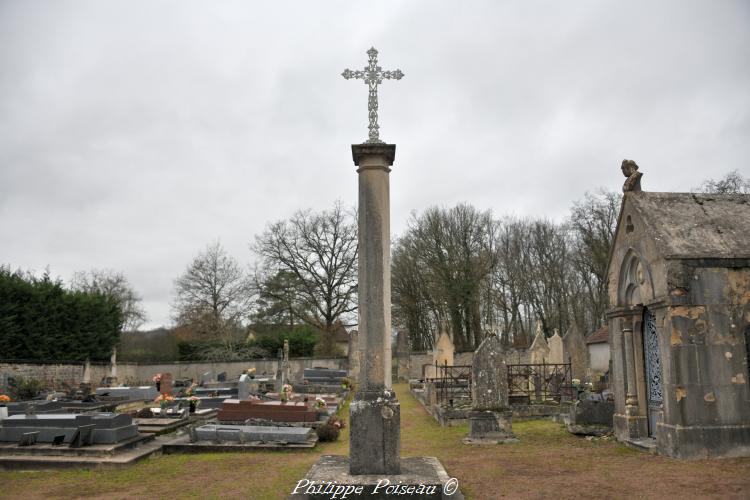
(547,463)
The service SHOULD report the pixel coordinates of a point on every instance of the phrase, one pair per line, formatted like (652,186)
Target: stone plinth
(490,427)
(420,478)
(375,439)
(490,421)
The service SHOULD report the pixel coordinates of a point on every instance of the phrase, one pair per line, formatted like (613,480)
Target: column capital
(362,151)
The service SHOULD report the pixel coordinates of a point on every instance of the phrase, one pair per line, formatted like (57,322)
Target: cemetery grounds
(548,462)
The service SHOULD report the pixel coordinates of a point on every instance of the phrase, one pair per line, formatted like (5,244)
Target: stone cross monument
(375,412)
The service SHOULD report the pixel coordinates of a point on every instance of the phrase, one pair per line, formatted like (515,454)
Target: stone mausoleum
(679,287)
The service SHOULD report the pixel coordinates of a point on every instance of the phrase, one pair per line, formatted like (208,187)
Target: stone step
(645,444)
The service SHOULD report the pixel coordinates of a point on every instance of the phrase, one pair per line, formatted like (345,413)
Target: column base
(628,428)
(703,441)
(490,427)
(375,433)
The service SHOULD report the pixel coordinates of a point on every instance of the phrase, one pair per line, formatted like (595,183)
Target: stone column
(375,412)
(631,399)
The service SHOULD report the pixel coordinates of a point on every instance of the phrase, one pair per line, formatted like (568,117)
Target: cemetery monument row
(679,323)
(375,411)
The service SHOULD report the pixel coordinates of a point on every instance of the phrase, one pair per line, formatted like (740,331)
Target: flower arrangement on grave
(4,399)
(194,402)
(320,403)
(164,400)
(191,390)
(157,380)
(331,429)
(346,383)
(337,422)
(286,393)
(250,372)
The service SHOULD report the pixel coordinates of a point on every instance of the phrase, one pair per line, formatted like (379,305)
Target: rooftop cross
(373,75)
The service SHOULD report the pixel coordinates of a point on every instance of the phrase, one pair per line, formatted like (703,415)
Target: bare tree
(733,182)
(440,270)
(115,285)
(213,296)
(318,252)
(593,221)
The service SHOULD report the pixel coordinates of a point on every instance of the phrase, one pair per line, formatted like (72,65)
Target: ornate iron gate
(653,370)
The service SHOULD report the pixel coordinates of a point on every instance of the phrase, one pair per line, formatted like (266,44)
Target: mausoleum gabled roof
(695,225)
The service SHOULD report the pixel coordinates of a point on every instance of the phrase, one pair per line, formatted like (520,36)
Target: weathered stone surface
(539,348)
(592,412)
(442,355)
(375,437)
(244,433)
(575,349)
(630,170)
(680,265)
(354,354)
(555,344)
(490,427)
(489,373)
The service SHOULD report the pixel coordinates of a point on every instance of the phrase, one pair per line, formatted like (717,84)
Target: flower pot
(193,405)
(158,386)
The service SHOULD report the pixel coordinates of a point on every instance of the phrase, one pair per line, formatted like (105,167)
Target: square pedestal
(490,427)
(420,478)
(375,437)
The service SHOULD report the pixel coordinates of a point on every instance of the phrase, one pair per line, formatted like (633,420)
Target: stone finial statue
(633,181)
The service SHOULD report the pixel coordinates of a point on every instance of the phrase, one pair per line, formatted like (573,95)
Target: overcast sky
(134,133)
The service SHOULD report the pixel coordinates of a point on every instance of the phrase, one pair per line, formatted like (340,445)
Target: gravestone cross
(373,75)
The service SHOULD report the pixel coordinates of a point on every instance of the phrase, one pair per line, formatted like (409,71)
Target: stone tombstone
(246,386)
(574,348)
(87,372)
(402,354)
(555,343)
(539,348)
(353,355)
(490,419)
(489,376)
(444,350)
(165,386)
(286,367)
(207,377)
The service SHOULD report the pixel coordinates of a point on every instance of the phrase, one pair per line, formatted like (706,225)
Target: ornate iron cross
(373,75)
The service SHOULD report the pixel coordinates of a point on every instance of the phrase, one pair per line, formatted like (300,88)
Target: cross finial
(373,75)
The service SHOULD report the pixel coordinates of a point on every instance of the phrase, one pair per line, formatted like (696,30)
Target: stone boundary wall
(420,358)
(60,375)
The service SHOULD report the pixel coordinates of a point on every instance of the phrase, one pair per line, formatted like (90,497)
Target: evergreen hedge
(42,321)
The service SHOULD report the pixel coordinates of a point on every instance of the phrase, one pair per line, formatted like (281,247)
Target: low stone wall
(60,375)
